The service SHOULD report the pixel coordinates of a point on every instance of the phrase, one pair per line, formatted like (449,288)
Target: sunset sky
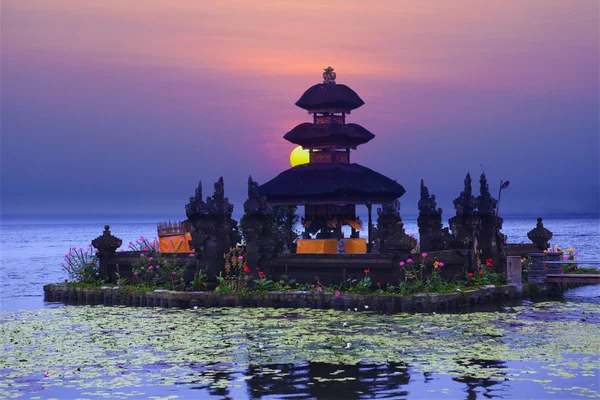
(122,107)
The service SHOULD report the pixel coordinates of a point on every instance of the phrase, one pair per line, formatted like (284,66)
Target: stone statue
(328,75)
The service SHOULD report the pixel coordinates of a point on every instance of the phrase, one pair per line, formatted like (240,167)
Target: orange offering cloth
(358,245)
(175,244)
(316,246)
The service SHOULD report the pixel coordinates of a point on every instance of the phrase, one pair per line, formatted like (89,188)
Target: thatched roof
(329,96)
(308,134)
(330,182)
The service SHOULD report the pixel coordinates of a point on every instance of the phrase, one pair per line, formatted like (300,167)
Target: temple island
(211,251)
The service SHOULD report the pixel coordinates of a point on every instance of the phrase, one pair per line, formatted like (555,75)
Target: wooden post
(369,243)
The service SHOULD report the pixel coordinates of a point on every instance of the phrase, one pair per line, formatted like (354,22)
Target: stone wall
(489,296)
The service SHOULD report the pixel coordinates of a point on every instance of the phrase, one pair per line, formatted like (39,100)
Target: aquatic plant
(77,351)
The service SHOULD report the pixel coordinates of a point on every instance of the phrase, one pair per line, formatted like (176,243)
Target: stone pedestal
(514,270)
(537,272)
(539,235)
(554,268)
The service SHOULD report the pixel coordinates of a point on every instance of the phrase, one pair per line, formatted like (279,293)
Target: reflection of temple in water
(329,381)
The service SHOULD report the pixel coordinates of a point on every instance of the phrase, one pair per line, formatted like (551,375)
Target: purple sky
(121,107)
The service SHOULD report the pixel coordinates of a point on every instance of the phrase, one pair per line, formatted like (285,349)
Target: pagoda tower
(330,186)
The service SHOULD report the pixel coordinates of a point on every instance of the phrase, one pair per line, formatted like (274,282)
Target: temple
(330,186)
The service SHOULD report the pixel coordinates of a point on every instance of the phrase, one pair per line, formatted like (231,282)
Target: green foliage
(82,265)
(160,270)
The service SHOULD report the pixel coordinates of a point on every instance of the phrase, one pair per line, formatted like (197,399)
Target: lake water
(535,350)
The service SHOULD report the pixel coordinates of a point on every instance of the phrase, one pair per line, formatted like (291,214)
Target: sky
(113,107)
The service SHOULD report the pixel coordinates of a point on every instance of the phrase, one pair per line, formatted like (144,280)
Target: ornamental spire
(328,75)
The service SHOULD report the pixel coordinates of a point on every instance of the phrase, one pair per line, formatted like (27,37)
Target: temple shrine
(330,186)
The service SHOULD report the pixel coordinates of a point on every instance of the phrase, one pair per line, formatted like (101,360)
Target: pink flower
(401,263)
(424,255)
(146,249)
(319,289)
(181,239)
(81,249)
(85,253)
(240,257)
(157,266)
(337,293)
(136,273)
(46,374)
(170,239)
(98,251)
(150,267)
(149,258)
(119,283)
(312,286)
(173,273)
(409,260)
(565,258)
(441,264)
(142,255)
(191,254)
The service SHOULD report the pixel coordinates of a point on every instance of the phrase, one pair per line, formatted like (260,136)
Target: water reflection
(330,381)
(321,380)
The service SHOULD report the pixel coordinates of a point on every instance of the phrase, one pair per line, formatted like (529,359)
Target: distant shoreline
(15,219)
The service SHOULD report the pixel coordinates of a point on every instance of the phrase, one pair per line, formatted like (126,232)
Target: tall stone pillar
(465,225)
(431,233)
(258,226)
(213,231)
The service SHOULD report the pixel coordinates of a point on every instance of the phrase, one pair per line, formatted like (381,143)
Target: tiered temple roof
(330,178)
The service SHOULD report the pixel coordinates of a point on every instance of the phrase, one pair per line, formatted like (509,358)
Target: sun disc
(299,156)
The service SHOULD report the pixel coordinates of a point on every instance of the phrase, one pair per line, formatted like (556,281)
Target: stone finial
(486,204)
(252,189)
(540,235)
(107,242)
(465,204)
(328,75)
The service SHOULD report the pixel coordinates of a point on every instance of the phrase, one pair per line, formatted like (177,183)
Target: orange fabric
(358,245)
(175,244)
(353,224)
(316,246)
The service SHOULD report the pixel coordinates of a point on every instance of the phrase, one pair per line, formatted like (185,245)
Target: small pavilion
(330,186)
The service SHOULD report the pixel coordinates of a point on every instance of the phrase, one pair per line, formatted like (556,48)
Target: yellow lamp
(299,156)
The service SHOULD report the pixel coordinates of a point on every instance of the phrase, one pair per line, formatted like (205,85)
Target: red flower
(469,275)
(367,270)
(489,262)
(246,270)
(261,274)
(379,284)
(480,272)
(544,265)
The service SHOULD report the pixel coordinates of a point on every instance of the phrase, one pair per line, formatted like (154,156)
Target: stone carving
(486,204)
(328,75)
(107,245)
(107,242)
(465,225)
(390,230)
(213,231)
(429,221)
(258,224)
(539,235)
